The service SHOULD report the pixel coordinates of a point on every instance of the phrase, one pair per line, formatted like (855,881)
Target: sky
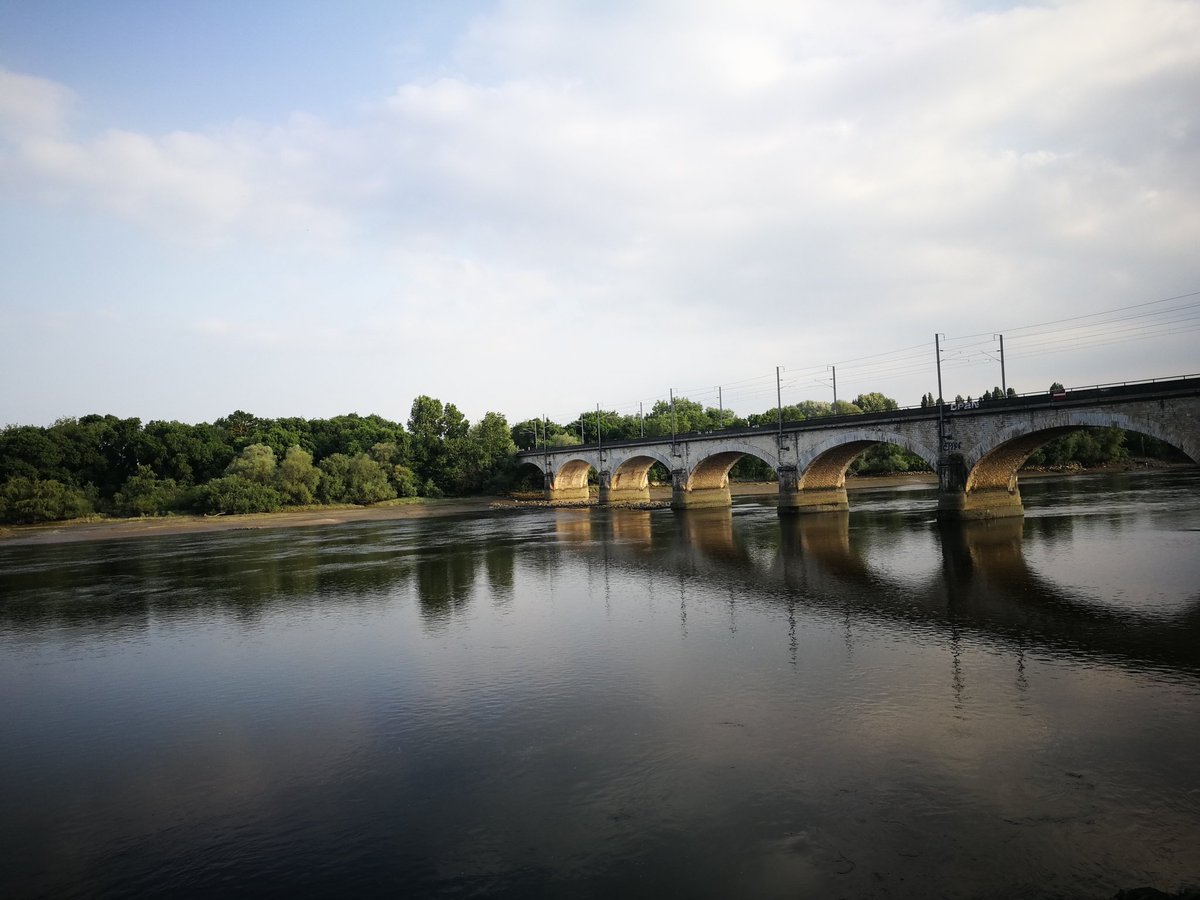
(311,209)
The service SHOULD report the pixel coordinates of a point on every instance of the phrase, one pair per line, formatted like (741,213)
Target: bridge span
(976,449)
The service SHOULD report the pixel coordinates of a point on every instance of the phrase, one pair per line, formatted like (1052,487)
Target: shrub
(28,500)
(235,494)
(144,494)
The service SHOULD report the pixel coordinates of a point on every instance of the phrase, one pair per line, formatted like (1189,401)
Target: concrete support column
(613,491)
(795,499)
(992,504)
(563,494)
(604,479)
(956,503)
(683,497)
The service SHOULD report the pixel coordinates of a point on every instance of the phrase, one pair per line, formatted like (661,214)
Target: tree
(255,463)
(189,454)
(366,481)
(239,426)
(238,495)
(29,451)
(335,474)
(427,427)
(491,464)
(454,423)
(875,402)
(404,481)
(297,478)
(145,494)
(29,500)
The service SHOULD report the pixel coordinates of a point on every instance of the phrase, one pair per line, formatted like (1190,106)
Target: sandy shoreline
(111,529)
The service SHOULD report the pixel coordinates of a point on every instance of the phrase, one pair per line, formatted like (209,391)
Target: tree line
(242,463)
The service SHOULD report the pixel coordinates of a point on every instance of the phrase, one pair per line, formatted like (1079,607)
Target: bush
(235,494)
(144,494)
(404,480)
(296,477)
(366,481)
(28,500)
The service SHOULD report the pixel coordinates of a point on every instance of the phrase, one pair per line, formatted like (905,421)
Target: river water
(605,703)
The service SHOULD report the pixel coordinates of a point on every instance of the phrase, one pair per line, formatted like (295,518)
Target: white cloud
(833,177)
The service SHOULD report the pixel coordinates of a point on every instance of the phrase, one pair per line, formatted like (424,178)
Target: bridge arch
(993,465)
(823,465)
(628,476)
(570,480)
(706,481)
(712,469)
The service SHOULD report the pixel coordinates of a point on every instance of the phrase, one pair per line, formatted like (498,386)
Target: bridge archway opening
(999,468)
(820,480)
(826,466)
(634,473)
(707,483)
(572,481)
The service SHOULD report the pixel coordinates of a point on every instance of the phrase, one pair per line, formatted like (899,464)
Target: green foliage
(353,434)
(355,479)
(404,481)
(235,494)
(366,481)
(189,454)
(255,463)
(887,459)
(1086,447)
(25,501)
(875,402)
(751,468)
(297,478)
(29,452)
(335,474)
(238,428)
(145,494)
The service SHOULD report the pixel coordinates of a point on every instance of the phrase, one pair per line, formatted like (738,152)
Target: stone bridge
(976,449)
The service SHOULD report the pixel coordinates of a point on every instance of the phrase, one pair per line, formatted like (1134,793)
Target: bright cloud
(783,183)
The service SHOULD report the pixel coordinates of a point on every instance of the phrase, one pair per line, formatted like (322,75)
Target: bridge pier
(613,492)
(956,502)
(685,497)
(797,499)
(957,506)
(563,494)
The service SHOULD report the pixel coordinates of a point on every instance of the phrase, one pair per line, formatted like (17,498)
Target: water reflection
(719,703)
(982,585)
(631,527)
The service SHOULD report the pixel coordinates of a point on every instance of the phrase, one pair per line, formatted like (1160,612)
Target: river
(615,703)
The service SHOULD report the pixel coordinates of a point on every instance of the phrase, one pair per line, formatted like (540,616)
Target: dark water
(615,704)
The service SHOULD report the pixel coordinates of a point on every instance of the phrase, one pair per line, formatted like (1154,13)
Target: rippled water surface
(592,703)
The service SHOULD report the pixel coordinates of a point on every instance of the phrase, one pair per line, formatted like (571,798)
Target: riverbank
(106,529)
(96,529)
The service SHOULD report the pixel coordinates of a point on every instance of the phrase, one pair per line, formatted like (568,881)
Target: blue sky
(303,209)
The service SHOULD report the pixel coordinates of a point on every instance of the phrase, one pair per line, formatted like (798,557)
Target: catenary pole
(779,401)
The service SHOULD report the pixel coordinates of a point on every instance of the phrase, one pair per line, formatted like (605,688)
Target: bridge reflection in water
(982,585)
